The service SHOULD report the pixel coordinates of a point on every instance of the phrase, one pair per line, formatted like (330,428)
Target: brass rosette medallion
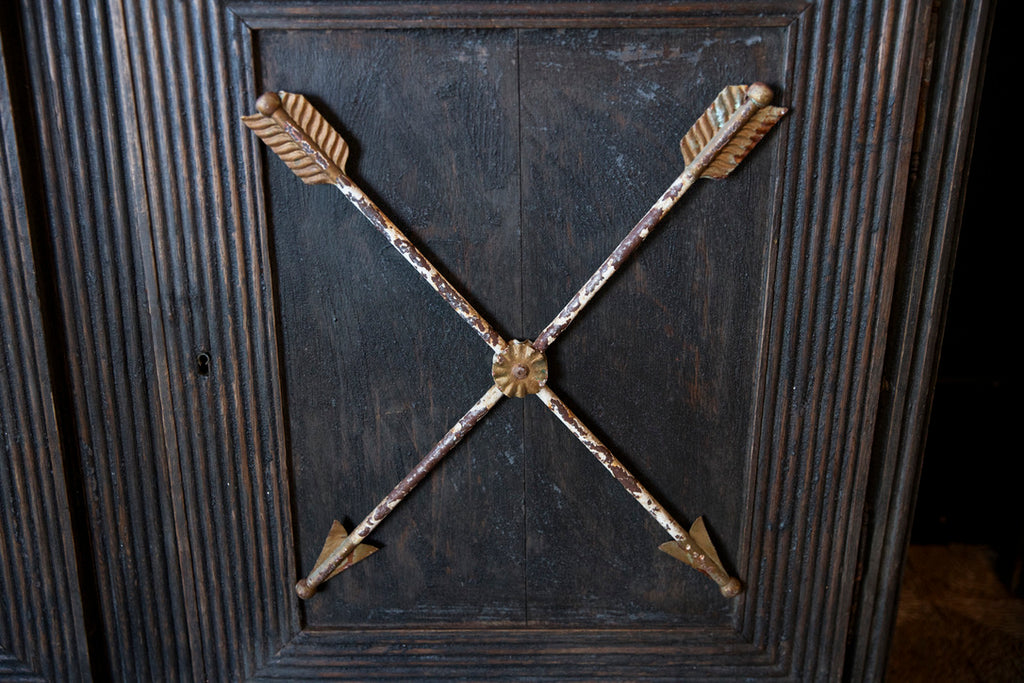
(519,370)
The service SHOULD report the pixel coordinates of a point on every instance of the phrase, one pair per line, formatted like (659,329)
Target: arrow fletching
(725,106)
(296,132)
(699,535)
(335,537)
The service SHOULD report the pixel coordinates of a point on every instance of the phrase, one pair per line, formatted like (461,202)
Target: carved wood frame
(121,260)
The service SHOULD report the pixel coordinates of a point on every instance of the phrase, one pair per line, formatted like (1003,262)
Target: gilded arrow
(692,547)
(343,550)
(316,153)
(715,145)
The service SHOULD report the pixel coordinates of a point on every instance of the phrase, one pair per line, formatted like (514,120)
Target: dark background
(970,488)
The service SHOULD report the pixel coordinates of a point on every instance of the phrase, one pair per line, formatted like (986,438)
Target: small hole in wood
(203,363)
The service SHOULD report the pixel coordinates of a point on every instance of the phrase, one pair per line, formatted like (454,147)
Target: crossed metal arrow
(726,132)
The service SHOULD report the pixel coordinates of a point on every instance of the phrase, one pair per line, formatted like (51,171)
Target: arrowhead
(335,537)
(700,538)
(699,533)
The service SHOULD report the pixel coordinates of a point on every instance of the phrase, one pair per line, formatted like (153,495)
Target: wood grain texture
(42,632)
(377,367)
(261,15)
(99,232)
(755,323)
(677,654)
(833,283)
(942,153)
(214,293)
(657,363)
(826,290)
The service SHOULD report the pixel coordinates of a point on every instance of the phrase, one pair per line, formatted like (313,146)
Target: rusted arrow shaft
(729,586)
(418,261)
(643,228)
(307,586)
(317,155)
(270,105)
(614,261)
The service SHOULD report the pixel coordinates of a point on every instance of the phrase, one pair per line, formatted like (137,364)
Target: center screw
(519,369)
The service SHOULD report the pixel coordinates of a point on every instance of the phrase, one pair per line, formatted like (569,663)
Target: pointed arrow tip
(699,533)
(701,543)
(335,537)
(732,586)
(676,550)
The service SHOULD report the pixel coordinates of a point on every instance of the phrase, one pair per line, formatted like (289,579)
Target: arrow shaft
(419,262)
(323,570)
(643,228)
(633,486)
(270,105)
(611,265)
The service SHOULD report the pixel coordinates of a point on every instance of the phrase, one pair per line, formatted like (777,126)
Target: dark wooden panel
(827,274)
(42,631)
(269,14)
(663,362)
(853,113)
(674,654)
(774,326)
(377,366)
(144,226)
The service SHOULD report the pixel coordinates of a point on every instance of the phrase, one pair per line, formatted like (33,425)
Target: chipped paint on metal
(323,570)
(420,263)
(728,127)
(611,265)
(700,559)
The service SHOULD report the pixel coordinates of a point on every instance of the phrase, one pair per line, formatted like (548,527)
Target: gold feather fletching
(316,160)
(724,106)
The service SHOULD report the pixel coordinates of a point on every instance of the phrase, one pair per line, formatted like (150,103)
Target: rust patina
(738,118)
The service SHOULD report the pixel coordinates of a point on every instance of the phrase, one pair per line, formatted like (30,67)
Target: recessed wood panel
(377,367)
(662,364)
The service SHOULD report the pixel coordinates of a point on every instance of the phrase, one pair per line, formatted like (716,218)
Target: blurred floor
(956,621)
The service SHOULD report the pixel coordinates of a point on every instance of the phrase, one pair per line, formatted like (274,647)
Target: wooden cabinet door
(42,632)
(279,366)
(507,155)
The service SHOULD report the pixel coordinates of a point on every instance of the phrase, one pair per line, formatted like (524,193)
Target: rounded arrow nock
(731,588)
(305,591)
(268,103)
(759,92)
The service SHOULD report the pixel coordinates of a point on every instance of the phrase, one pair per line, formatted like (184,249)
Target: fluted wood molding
(926,254)
(42,632)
